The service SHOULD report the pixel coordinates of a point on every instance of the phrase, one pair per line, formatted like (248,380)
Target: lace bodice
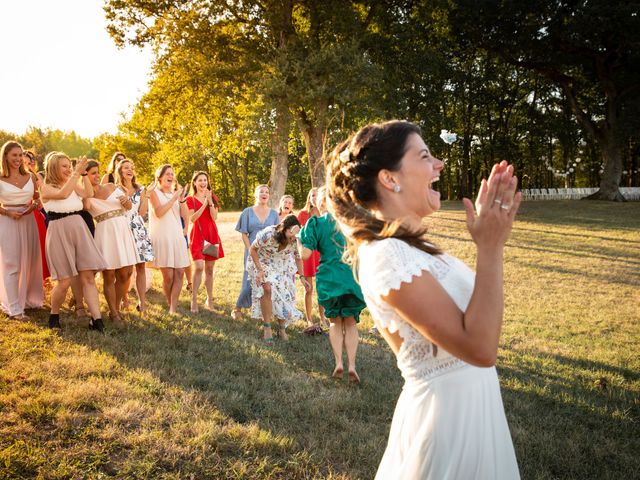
(383,266)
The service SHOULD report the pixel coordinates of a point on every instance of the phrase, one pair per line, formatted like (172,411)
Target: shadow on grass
(285,390)
(567,420)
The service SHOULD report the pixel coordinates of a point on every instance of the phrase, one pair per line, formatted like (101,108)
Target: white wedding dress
(449,421)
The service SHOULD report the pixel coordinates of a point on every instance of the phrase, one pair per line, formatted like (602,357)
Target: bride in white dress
(442,321)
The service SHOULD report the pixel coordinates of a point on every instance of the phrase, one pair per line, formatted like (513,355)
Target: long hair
(32,157)
(281,203)
(113,163)
(352,173)
(160,171)
(287,222)
(118,175)
(52,168)
(193,189)
(4,152)
(309,206)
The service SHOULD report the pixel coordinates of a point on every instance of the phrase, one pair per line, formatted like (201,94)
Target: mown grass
(199,396)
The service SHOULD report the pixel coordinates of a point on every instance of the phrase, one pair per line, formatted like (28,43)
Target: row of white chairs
(630,193)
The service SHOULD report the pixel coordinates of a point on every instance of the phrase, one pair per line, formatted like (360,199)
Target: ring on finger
(505,207)
(499,202)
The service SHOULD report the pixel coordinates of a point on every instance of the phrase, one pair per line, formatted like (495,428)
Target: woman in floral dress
(126,178)
(269,266)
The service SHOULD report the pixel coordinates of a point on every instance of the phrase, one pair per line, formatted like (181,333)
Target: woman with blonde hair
(166,233)
(251,221)
(285,206)
(108,207)
(126,179)
(70,247)
(20,258)
(442,321)
(203,208)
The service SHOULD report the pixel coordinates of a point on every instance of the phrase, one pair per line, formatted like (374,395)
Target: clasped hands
(495,208)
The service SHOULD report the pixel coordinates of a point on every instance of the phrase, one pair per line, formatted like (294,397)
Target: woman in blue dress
(252,220)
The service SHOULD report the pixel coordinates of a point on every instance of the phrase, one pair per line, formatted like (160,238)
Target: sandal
(313,330)
(236,314)
(353,377)
(337,373)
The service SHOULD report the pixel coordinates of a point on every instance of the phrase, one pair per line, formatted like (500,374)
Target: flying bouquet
(448,137)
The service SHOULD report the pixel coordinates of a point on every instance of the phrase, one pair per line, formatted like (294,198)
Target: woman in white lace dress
(442,321)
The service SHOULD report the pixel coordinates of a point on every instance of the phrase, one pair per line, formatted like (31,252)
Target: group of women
(280,246)
(441,320)
(74,223)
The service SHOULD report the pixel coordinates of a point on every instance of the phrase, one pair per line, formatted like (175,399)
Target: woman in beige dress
(165,230)
(70,248)
(114,239)
(20,261)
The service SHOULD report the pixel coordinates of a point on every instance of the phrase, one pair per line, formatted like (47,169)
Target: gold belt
(108,215)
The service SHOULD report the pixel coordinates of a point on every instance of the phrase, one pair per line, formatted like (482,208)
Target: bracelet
(83,174)
(182,201)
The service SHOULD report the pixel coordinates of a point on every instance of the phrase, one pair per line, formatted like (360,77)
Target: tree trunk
(313,133)
(610,181)
(280,161)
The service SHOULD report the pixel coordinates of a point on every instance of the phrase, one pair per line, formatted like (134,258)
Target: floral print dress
(140,233)
(278,266)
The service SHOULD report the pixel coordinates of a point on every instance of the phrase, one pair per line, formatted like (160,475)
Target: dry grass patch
(200,396)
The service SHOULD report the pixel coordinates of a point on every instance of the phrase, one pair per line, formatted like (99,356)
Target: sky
(62,70)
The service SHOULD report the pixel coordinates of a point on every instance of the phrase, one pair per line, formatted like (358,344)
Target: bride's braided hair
(352,172)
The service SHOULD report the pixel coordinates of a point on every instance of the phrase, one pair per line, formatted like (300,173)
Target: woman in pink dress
(71,250)
(203,212)
(311,264)
(20,261)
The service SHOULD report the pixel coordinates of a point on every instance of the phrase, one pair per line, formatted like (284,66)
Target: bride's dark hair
(352,173)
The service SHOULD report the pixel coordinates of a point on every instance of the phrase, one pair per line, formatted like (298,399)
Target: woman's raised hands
(495,209)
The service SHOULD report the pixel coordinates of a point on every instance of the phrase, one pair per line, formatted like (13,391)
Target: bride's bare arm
(473,335)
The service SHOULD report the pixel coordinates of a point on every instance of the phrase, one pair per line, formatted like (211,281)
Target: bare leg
(282,333)
(76,289)
(308,302)
(109,286)
(123,277)
(91,292)
(189,274)
(267,311)
(208,282)
(141,286)
(167,281)
(59,293)
(323,319)
(197,280)
(336,339)
(176,287)
(351,344)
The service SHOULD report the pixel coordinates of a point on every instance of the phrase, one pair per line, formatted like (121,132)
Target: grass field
(199,396)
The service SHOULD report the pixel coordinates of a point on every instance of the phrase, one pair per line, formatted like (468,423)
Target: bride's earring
(396,188)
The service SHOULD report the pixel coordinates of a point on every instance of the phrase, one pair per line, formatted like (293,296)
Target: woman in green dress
(337,289)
